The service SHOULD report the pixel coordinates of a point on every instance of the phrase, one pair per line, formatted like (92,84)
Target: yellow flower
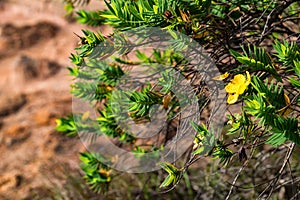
(237,86)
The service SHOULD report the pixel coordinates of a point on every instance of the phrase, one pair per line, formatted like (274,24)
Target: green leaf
(199,150)
(287,53)
(199,128)
(173,174)
(168,167)
(66,126)
(69,7)
(276,139)
(107,16)
(297,67)
(97,174)
(295,82)
(89,17)
(168,180)
(256,59)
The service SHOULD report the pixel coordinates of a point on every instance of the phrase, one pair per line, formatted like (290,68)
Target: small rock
(48,68)
(11,104)
(28,35)
(28,66)
(32,69)
(15,134)
(10,182)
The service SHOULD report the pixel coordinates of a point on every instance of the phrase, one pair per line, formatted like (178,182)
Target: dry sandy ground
(35,43)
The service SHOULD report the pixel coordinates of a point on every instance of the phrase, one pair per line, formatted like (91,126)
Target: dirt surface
(35,43)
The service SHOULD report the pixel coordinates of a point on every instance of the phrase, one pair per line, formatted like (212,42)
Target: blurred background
(36,162)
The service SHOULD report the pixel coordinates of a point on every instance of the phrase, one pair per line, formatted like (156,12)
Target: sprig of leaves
(91,18)
(142,102)
(97,174)
(256,59)
(174,174)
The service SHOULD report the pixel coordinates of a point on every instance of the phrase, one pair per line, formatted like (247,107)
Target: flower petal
(232,98)
(242,89)
(221,77)
(239,79)
(231,88)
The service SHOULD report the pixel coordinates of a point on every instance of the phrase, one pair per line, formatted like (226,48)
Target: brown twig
(275,180)
(240,170)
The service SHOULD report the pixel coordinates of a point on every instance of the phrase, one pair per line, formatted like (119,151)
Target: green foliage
(77,60)
(266,105)
(66,125)
(88,42)
(97,82)
(223,8)
(90,18)
(71,4)
(173,174)
(287,53)
(122,14)
(206,144)
(257,60)
(204,139)
(284,129)
(269,105)
(141,102)
(295,81)
(177,14)
(267,100)
(109,126)
(96,173)
(146,154)
(223,153)
(90,90)
(75,123)
(69,7)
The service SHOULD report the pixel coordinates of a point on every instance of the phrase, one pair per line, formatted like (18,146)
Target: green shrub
(254,47)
